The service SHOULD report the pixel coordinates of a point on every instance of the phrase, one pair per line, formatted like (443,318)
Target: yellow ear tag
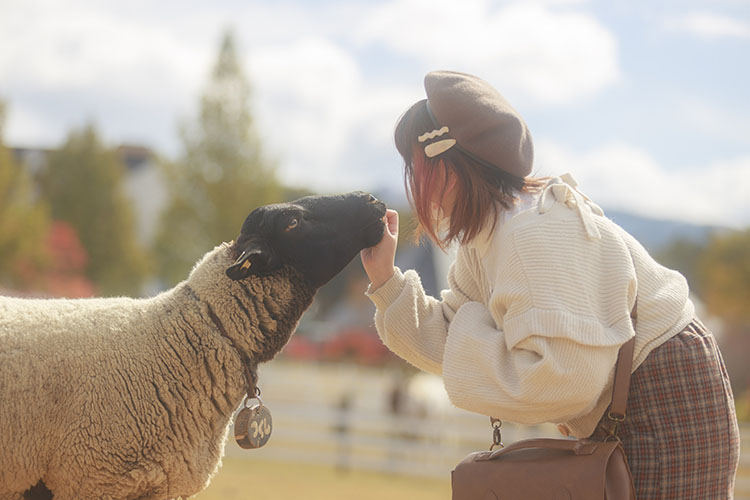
(245,265)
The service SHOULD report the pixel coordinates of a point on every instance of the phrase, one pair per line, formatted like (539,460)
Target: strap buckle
(497,437)
(616,421)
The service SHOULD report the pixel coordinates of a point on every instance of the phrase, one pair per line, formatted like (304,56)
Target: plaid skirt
(680,434)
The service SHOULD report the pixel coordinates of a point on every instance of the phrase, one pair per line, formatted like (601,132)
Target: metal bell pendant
(253,424)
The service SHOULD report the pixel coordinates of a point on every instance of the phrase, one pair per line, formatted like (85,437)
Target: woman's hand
(378,260)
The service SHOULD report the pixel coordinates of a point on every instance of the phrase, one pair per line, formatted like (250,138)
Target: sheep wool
(132,398)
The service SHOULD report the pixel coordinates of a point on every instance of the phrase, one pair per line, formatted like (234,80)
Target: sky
(645,102)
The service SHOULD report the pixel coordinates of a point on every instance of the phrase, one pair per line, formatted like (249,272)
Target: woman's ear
(448,191)
(450,178)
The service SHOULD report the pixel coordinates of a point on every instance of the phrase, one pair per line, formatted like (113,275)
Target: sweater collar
(483,240)
(562,189)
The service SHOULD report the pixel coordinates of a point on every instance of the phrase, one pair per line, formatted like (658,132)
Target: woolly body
(132,399)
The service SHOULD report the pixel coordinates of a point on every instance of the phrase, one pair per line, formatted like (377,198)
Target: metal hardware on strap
(497,437)
(621,386)
(616,420)
(251,380)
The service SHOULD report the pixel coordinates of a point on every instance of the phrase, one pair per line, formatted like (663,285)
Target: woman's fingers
(378,260)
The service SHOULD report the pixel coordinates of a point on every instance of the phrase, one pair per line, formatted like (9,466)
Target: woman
(540,298)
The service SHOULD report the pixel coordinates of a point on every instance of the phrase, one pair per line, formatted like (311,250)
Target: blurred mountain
(655,234)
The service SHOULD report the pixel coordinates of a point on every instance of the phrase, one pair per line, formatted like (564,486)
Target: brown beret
(482,122)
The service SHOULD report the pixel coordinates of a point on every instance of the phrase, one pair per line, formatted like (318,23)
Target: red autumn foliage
(351,344)
(66,274)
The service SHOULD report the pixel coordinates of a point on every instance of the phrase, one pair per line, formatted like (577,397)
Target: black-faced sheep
(132,399)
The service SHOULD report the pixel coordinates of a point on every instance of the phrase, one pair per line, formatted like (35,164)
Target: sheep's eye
(292,224)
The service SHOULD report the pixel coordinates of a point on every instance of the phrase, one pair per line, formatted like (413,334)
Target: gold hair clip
(438,147)
(433,134)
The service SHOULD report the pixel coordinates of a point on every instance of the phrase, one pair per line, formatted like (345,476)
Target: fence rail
(365,440)
(310,426)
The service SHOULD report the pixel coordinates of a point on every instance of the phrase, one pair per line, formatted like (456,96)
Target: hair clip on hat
(435,148)
(483,125)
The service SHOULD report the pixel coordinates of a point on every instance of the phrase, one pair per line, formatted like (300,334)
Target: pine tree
(84,183)
(24,222)
(221,174)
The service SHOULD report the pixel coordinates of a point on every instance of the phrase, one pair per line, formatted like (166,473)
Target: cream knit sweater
(536,312)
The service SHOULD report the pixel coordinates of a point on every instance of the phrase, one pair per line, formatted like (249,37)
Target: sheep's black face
(317,235)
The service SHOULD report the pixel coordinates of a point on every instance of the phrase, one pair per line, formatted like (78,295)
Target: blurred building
(144,183)
(35,159)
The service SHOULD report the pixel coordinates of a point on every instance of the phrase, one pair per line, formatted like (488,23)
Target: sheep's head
(316,235)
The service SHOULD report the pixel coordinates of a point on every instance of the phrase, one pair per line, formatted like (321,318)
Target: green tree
(683,254)
(24,222)
(724,270)
(219,177)
(724,273)
(83,182)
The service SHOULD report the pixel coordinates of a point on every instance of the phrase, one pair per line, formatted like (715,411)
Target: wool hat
(469,114)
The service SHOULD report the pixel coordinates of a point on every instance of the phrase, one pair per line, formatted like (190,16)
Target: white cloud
(562,2)
(550,55)
(317,111)
(135,75)
(63,64)
(325,109)
(712,121)
(710,25)
(624,177)
(305,91)
(29,129)
(77,47)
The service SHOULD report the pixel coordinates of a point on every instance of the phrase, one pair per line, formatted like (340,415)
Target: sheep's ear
(253,260)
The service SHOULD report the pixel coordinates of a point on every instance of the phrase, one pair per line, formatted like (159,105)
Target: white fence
(742,487)
(363,440)
(313,425)
(340,415)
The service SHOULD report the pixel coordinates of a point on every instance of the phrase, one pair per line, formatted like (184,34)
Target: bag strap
(623,367)
(621,386)
(578,447)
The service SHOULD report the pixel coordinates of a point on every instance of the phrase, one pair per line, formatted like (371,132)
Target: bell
(253,426)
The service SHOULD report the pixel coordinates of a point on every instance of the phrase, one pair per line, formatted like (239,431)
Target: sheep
(121,398)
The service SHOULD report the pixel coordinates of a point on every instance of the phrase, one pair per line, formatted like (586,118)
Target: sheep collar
(249,367)
(253,423)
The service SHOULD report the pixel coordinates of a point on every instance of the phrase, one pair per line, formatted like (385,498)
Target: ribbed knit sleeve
(536,313)
(550,334)
(414,325)
(540,379)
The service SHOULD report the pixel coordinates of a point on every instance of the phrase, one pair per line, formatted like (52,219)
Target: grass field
(742,486)
(241,479)
(255,480)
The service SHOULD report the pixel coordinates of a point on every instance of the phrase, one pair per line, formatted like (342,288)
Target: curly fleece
(132,399)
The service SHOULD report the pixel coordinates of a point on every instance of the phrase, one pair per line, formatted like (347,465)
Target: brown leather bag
(552,469)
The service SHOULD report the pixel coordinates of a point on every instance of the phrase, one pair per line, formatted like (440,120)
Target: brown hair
(480,187)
